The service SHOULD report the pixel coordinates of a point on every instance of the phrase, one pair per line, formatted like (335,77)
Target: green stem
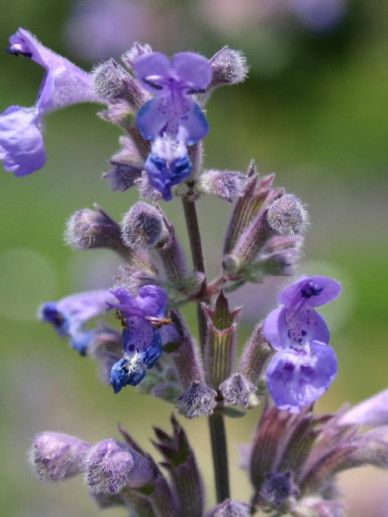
(216,420)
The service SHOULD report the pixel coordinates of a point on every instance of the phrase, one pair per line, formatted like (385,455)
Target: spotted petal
(138,335)
(296,380)
(312,291)
(284,329)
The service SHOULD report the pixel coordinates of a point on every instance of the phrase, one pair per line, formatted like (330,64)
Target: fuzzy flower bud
(227,185)
(112,82)
(136,50)
(237,390)
(197,400)
(113,466)
(230,508)
(287,216)
(255,354)
(143,226)
(57,456)
(89,229)
(229,66)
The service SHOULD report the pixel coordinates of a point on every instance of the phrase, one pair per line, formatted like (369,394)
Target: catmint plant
(285,366)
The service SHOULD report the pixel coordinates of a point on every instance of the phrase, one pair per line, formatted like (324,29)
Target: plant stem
(216,420)
(198,261)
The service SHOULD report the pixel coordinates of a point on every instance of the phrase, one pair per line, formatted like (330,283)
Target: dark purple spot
(307,370)
(310,290)
(288,366)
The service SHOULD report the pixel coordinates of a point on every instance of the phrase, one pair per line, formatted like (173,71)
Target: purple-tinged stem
(216,420)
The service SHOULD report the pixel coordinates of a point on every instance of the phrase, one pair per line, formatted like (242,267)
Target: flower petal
(22,147)
(138,335)
(194,122)
(152,70)
(193,70)
(371,412)
(152,300)
(311,290)
(284,329)
(297,380)
(152,118)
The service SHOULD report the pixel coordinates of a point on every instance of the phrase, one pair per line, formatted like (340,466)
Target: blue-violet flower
(22,147)
(172,120)
(142,340)
(304,365)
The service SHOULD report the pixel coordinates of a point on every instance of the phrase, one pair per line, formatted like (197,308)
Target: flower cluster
(286,364)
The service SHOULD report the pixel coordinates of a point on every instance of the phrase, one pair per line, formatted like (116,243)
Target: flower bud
(255,354)
(227,185)
(57,456)
(89,229)
(197,400)
(112,82)
(253,199)
(136,50)
(229,66)
(186,358)
(230,508)
(143,226)
(276,488)
(237,390)
(112,466)
(287,216)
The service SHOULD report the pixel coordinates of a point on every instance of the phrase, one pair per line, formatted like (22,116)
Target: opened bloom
(69,315)
(304,365)
(22,147)
(172,120)
(142,340)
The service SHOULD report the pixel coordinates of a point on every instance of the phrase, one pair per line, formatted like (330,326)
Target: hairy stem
(216,420)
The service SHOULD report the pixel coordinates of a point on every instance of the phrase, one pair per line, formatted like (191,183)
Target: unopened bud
(237,390)
(89,229)
(57,456)
(197,400)
(229,66)
(255,354)
(253,198)
(136,50)
(112,82)
(287,216)
(143,226)
(113,466)
(230,508)
(277,488)
(227,185)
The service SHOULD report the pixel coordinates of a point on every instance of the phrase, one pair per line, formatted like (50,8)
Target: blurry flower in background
(319,15)
(99,29)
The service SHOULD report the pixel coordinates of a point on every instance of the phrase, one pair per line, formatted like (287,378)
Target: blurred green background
(315,109)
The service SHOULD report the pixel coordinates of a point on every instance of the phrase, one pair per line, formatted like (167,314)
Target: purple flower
(304,365)
(142,341)
(173,82)
(21,142)
(69,315)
